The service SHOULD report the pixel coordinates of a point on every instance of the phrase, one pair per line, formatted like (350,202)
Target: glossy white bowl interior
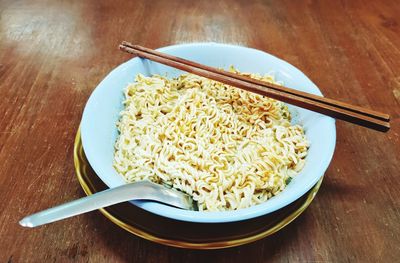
(99,131)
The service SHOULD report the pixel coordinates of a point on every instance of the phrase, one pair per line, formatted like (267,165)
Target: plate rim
(181,243)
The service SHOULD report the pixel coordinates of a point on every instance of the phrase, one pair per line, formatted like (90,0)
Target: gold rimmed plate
(187,234)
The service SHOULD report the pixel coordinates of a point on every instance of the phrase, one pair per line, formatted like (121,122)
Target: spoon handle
(86,204)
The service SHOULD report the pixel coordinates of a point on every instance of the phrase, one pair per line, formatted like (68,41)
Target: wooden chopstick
(355,117)
(335,103)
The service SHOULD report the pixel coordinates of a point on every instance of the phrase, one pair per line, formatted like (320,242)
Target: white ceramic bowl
(99,131)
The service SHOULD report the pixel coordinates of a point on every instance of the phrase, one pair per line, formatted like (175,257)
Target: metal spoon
(144,190)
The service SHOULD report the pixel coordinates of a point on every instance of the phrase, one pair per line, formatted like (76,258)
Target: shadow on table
(338,189)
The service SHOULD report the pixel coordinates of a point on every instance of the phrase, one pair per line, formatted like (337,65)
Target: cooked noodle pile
(228,148)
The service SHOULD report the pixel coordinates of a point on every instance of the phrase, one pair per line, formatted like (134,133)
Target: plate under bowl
(183,234)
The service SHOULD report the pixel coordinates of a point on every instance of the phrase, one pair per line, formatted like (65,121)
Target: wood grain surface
(54,53)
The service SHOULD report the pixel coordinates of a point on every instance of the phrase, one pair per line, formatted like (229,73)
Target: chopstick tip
(125,43)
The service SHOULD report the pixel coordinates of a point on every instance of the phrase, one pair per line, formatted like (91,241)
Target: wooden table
(53,54)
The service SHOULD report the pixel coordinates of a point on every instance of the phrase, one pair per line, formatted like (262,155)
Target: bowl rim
(221,216)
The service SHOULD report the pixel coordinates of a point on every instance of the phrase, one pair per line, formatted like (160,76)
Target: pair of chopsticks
(333,108)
